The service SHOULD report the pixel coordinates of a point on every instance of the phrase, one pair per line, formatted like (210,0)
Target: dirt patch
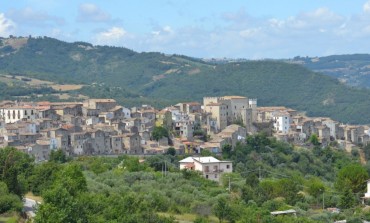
(167,62)
(158,77)
(161,76)
(194,71)
(15,43)
(66,87)
(76,57)
(170,71)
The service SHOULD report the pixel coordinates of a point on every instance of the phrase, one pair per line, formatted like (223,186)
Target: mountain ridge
(132,78)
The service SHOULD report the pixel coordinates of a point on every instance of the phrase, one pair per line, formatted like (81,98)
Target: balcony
(214,171)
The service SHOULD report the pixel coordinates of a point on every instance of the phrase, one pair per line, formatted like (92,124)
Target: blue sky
(252,29)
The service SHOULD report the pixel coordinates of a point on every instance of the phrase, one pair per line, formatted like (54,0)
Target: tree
(352,177)
(222,209)
(60,206)
(72,179)
(171,151)
(8,201)
(347,199)
(227,151)
(15,166)
(205,152)
(58,156)
(315,186)
(43,177)
(314,140)
(159,132)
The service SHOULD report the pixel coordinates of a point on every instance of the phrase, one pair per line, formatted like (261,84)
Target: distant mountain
(160,79)
(353,70)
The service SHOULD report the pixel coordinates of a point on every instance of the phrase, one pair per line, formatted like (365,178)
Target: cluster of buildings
(102,127)
(92,127)
(294,127)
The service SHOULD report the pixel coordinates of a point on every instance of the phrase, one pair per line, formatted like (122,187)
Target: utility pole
(229,185)
(162,170)
(165,168)
(259,173)
(323,200)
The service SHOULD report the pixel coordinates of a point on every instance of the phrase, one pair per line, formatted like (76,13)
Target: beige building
(132,143)
(102,105)
(233,134)
(218,116)
(189,107)
(236,108)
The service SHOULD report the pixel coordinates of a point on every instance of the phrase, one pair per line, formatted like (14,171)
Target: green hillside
(352,69)
(134,78)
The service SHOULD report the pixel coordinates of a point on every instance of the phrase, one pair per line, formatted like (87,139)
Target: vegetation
(351,68)
(159,132)
(268,175)
(154,78)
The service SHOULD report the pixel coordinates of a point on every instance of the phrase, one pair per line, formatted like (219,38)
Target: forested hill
(352,69)
(134,77)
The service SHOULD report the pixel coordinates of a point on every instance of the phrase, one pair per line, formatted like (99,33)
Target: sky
(251,29)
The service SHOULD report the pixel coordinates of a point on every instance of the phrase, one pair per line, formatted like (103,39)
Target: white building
(16,113)
(210,167)
(367,194)
(281,122)
(126,112)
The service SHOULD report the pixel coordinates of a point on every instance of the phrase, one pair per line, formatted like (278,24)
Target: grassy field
(188,218)
(33,82)
(10,218)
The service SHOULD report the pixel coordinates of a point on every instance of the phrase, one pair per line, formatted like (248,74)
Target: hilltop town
(102,127)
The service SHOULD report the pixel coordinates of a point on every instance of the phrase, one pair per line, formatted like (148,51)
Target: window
(206,176)
(227,166)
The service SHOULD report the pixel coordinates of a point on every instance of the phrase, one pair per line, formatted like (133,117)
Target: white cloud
(276,23)
(34,18)
(313,33)
(250,33)
(89,12)
(366,7)
(321,17)
(111,36)
(167,29)
(240,16)
(7,26)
